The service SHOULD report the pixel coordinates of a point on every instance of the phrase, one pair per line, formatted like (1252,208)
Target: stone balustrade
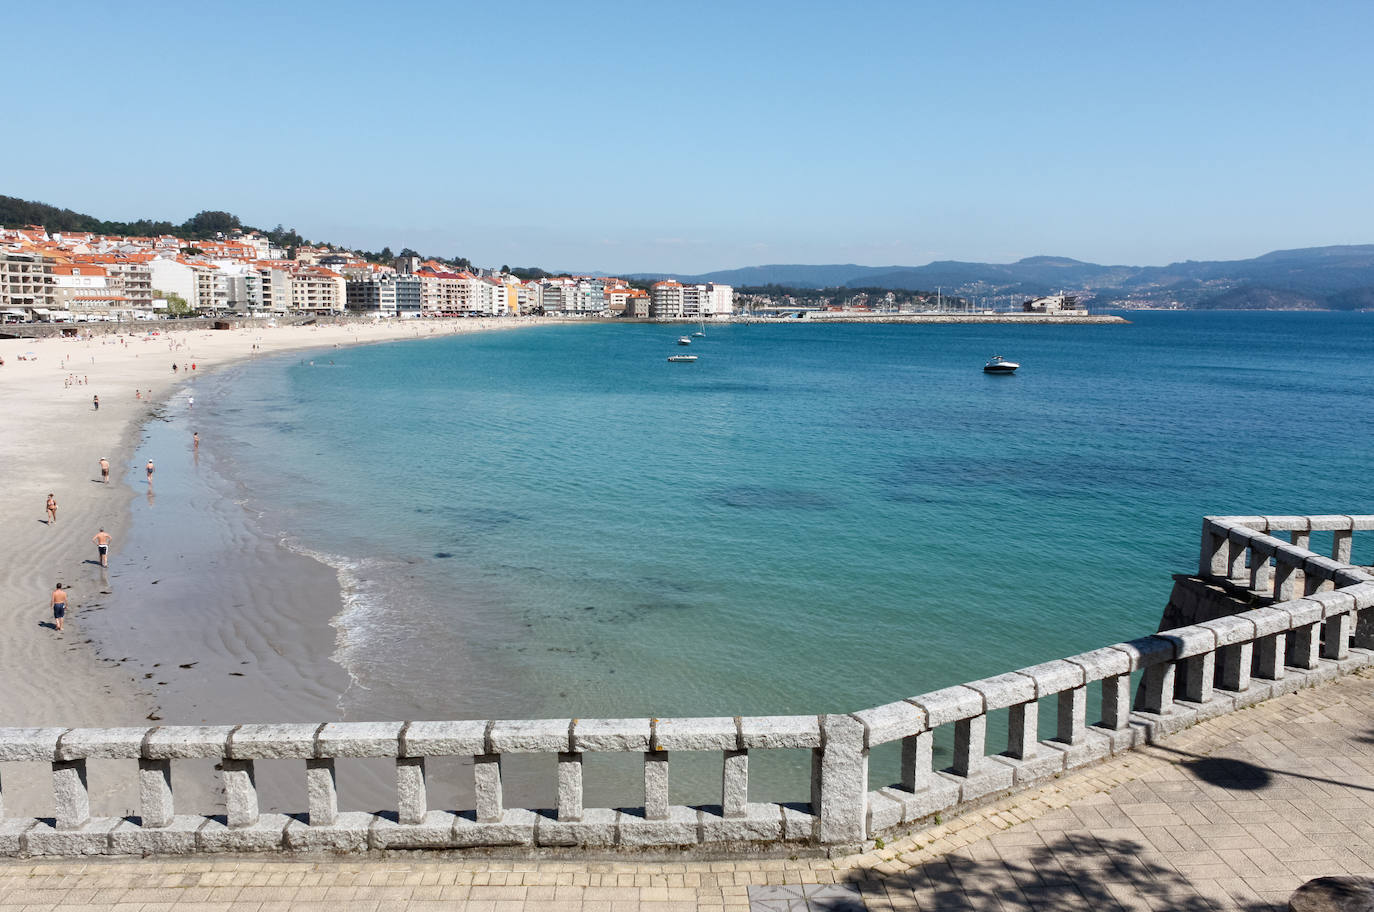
(1185,675)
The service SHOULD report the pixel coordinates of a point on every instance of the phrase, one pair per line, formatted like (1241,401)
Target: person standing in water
(102,547)
(149,469)
(105,470)
(195,440)
(59,606)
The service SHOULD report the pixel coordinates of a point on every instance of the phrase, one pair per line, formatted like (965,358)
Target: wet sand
(271,662)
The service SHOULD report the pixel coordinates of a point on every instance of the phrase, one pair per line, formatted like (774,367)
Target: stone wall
(1186,674)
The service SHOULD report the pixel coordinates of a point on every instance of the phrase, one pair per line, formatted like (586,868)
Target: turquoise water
(811,518)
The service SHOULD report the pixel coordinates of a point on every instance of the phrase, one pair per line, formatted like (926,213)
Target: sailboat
(698,335)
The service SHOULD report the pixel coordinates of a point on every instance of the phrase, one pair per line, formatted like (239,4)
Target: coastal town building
(387,294)
(177,276)
(1060,303)
(317,290)
(87,289)
(671,300)
(446,293)
(637,304)
(26,282)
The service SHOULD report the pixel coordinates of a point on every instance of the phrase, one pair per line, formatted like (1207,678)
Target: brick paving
(1232,814)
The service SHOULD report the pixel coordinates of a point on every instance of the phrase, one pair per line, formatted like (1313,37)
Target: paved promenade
(1234,813)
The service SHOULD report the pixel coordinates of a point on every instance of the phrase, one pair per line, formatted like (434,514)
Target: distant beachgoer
(59,605)
(95,401)
(102,546)
(105,470)
(174,367)
(195,440)
(138,394)
(149,469)
(191,402)
(52,510)
(193,365)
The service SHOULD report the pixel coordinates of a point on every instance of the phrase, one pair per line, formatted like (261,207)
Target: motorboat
(682,358)
(684,340)
(1000,365)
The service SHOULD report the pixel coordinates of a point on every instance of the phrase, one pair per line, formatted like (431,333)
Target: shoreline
(58,677)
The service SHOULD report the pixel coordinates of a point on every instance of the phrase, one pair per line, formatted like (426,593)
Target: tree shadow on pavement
(1070,871)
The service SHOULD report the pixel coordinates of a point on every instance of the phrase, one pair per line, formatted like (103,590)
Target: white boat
(999,365)
(684,340)
(682,358)
(702,332)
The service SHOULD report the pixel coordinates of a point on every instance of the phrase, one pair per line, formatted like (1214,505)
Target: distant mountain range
(1336,278)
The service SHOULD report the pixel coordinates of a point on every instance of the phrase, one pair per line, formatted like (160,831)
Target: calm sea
(810,518)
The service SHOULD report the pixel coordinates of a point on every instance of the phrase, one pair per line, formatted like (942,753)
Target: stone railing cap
(949,704)
(1231,630)
(696,734)
(187,742)
(780,732)
(1054,677)
(1001,691)
(890,722)
(359,739)
(531,736)
(1101,663)
(1301,612)
(29,743)
(1146,651)
(1333,603)
(105,743)
(273,741)
(611,735)
(444,739)
(1189,641)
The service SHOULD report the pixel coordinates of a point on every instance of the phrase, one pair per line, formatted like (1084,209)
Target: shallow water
(810,518)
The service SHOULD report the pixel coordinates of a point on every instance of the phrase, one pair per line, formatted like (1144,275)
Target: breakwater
(1304,634)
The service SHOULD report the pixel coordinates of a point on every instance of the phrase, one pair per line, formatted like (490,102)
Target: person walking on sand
(59,606)
(149,469)
(95,401)
(52,510)
(105,470)
(102,547)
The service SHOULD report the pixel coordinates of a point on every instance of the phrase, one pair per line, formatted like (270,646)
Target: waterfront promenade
(1231,814)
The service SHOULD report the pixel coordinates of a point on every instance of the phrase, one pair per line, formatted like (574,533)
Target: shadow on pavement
(1074,871)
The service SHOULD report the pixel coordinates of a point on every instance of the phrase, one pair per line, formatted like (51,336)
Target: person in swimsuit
(102,547)
(95,401)
(149,469)
(52,510)
(195,440)
(105,470)
(59,606)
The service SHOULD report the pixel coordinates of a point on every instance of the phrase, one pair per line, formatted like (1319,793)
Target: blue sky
(637,137)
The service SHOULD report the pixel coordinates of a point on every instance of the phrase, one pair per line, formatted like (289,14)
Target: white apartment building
(178,277)
(317,290)
(274,285)
(671,300)
(137,279)
(666,300)
(491,297)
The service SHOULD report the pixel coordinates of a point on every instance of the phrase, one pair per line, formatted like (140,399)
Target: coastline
(53,439)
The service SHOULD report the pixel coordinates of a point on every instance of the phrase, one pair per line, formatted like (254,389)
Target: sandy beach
(53,438)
